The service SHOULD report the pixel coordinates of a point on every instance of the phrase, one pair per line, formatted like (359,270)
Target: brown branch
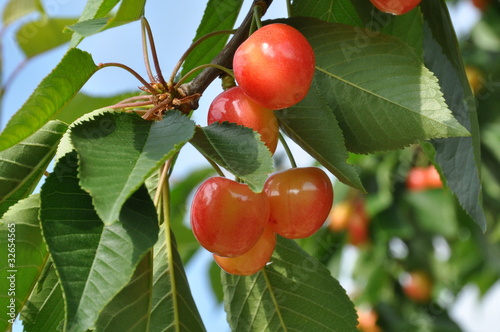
(224,58)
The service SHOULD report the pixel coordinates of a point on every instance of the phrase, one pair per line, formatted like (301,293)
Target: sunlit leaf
(458,158)
(42,35)
(86,253)
(238,149)
(44,310)
(51,95)
(379,107)
(94,9)
(20,162)
(337,11)
(25,254)
(219,15)
(15,9)
(112,174)
(294,292)
(313,126)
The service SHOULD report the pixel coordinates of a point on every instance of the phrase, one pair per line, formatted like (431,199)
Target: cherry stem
(289,8)
(162,181)
(288,151)
(129,105)
(145,53)
(215,166)
(133,72)
(153,52)
(157,107)
(192,47)
(192,71)
(257,15)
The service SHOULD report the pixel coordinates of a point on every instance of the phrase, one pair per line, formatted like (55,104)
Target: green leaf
(157,298)
(24,255)
(44,310)
(173,306)
(42,35)
(93,9)
(238,149)
(129,309)
(129,11)
(408,28)
(86,253)
(219,15)
(22,161)
(118,151)
(336,11)
(22,192)
(294,292)
(379,107)
(15,9)
(312,125)
(75,68)
(82,104)
(458,158)
(89,27)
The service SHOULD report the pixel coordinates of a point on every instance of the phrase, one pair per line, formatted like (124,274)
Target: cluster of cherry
(274,69)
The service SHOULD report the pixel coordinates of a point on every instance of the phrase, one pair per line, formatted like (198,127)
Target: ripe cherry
(253,260)
(421,178)
(417,285)
(367,321)
(396,7)
(234,106)
(227,217)
(301,199)
(339,216)
(481,4)
(275,66)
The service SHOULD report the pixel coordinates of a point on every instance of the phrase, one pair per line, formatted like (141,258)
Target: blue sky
(123,45)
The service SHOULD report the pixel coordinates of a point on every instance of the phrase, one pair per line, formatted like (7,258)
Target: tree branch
(224,58)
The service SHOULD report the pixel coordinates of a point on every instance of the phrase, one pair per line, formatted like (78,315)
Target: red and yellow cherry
(396,7)
(417,285)
(275,66)
(301,199)
(481,4)
(227,217)
(358,232)
(234,106)
(367,321)
(253,260)
(339,216)
(421,178)
(475,78)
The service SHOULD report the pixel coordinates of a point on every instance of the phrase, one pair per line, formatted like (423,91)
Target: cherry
(253,260)
(481,4)
(417,285)
(339,216)
(301,199)
(396,7)
(433,178)
(367,321)
(234,106)
(421,178)
(227,217)
(275,66)
(358,232)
